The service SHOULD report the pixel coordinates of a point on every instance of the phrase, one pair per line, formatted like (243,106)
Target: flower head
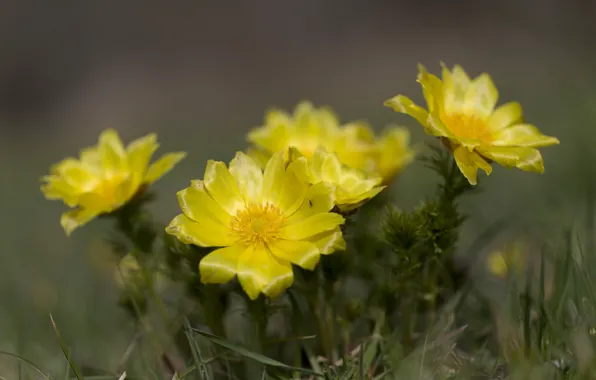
(306,130)
(355,144)
(105,177)
(352,186)
(384,156)
(265,220)
(462,112)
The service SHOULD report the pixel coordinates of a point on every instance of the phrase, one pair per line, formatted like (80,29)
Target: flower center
(107,187)
(467,126)
(257,224)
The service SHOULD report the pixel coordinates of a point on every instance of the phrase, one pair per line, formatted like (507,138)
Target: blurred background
(201,75)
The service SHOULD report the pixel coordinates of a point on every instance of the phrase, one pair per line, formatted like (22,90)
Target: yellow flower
(385,156)
(306,130)
(105,177)
(352,187)
(509,260)
(462,112)
(265,220)
(356,146)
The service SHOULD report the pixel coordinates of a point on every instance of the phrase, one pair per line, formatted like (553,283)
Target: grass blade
(65,350)
(252,355)
(28,362)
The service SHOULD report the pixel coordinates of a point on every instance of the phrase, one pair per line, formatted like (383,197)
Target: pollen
(467,126)
(257,224)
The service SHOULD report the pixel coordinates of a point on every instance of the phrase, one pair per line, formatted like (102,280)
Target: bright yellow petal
(259,271)
(329,241)
(302,253)
(221,265)
(331,169)
(162,166)
(249,176)
(204,235)
(199,206)
(527,159)
(310,226)
(435,127)
(222,187)
(405,105)
(283,187)
(432,89)
(481,98)
(456,84)
(524,135)
(319,198)
(273,136)
(74,219)
(90,156)
(77,174)
(469,163)
(140,152)
(57,188)
(112,153)
(504,116)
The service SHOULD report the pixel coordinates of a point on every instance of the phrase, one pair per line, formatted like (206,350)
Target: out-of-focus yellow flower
(105,177)
(355,144)
(462,112)
(508,260)
(352,187)
(306,130)
(265,220)
(385,156)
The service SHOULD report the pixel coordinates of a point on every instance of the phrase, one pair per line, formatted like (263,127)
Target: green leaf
(252,355)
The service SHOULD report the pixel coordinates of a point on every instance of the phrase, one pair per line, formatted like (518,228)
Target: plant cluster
(294,260)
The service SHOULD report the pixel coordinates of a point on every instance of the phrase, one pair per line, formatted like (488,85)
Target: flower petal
(435,127)
(73,219)
(260,271)
(222,187)
(319,198)
(313,225)
(456,84)
(432,89)
(302,253)
(283,187)
(273,136)
(221,265)
(469,162)
(112,153)
(524,135)
(481,98)
(162,166)
(140,152)
(57,188)
(405,105)
(199,206)
(329,241)
(504,116)
(524,158)
(201,234)
(249,176)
